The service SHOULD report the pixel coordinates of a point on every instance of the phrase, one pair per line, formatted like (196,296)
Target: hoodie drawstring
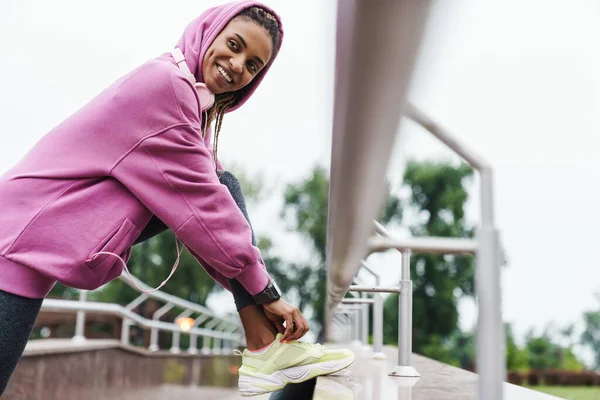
(131,277)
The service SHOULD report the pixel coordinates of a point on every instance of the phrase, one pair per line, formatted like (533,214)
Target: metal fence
(219,334)
(381,41)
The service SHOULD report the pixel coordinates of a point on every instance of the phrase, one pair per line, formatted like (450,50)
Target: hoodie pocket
(114,242)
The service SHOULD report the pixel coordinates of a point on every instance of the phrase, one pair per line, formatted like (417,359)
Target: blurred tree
(63,292)
(438,197)
(461,347)
(545,353)
(517,359)
(591,335)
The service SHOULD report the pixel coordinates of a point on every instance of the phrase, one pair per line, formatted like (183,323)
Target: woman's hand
(295,323)
(276,320)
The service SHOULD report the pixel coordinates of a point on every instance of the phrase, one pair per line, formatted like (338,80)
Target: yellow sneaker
(289,362)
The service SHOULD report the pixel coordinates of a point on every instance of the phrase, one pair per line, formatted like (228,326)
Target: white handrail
(364,129)
(115,309)
(365,122)
(177,301)
(445,245)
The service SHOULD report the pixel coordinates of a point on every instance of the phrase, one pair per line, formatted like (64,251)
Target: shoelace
(131,277)
(303,344)
(309,345)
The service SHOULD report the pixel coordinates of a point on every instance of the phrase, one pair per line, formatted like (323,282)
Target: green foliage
(437,348)
(438,197)
(517,359)
(63,292)
(570,393)
(591,335)
(545,353)
(540,352)
(462,348)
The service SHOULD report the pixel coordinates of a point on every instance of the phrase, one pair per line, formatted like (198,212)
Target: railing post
(154,332)
(491,352)
(125,331)
(378,327)
(216,345)
(377,308)
(205,344)
(193,349)
(211,325)
(365,323)
(175,345)
(348,326)
(344,331)
(177,335)
(126,324)
(356,328)
(228,343)
(80,323)
(404,367)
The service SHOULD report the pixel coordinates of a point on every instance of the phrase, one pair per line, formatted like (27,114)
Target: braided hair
(225,101)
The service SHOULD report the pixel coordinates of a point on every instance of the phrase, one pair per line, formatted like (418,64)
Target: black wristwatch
(268,295)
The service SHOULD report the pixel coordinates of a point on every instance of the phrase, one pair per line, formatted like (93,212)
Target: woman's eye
(253,67)
(233,45)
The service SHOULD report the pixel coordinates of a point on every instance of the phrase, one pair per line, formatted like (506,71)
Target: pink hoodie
(92,184)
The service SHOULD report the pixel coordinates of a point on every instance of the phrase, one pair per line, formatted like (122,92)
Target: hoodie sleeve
(172,173)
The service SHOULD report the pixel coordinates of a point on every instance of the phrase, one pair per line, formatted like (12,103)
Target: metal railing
(364,130)
(442,246)
(219,330)
(377,303)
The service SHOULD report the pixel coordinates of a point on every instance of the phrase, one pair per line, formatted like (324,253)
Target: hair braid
(222,103)
(225,101)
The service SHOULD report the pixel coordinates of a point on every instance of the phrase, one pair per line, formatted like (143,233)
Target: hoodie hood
(201,32)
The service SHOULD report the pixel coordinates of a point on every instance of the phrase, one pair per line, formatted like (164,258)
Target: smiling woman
(144,165)
(240,51)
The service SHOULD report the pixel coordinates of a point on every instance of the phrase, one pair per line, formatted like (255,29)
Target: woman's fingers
(301,326)
(296,325)
(289,325)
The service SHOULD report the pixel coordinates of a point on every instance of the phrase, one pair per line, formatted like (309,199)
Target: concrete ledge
(64,346)
(102,369)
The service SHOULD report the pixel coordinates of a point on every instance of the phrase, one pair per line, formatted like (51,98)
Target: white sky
(518,81)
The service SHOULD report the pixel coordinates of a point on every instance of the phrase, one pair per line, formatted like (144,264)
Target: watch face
(275,294)
(268,295)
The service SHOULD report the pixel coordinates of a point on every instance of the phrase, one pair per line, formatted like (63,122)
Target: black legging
(18,314)
(17,317)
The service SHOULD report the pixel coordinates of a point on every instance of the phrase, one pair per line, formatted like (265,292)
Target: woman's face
(236,56)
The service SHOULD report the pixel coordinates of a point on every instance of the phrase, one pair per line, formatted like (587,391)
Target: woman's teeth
(224,74)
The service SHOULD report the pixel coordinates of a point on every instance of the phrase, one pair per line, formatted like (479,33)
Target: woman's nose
(237,64)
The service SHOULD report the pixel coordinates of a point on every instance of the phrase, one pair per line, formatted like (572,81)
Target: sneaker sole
(254,385)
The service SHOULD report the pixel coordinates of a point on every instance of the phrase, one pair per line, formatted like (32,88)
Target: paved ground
(367,379)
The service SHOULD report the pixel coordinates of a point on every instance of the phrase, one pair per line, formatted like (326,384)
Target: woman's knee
(228,179)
